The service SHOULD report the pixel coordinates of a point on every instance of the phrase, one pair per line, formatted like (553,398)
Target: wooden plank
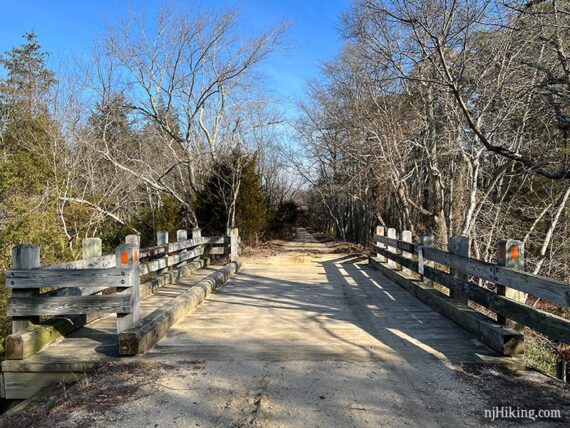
(553,326)
(550,325)
(548,289)
(25,256)
(34,339)
(216,250)
(175,259)
(155,251)
(49,305)
(20,386)
(209,240)
(107,261)
(501,339)
(61,278)
(545,288)
(409,247)
(149,330)
(183,245)
(153,266)
(126,257)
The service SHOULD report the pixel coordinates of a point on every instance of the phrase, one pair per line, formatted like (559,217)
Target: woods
(438,117)
(447,118)
(163,126)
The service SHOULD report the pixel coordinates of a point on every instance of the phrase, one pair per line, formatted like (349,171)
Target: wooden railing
(457,272)
(101,284)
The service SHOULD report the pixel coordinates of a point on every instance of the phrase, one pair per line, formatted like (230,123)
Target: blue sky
(67,28)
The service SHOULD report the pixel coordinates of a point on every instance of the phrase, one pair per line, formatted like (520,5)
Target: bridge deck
(308,303)
(306,336)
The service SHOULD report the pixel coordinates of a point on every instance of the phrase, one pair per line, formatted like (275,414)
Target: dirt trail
(307,335)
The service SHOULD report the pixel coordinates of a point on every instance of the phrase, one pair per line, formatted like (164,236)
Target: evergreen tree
(214,201)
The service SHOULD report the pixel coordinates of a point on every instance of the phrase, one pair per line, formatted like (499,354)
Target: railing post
(133,240)
(91,248)
(161,241)
(381,257)
(406,237)
(427,241)
(392,234)
(127,258)
(234,244)
(182,235)
(162,238)
(459,245)
(196,233)
(25,256)
(510,254)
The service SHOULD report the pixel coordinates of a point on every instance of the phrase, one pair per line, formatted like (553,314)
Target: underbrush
(540,354)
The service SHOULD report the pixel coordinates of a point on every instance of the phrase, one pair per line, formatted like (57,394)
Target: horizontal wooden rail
(551,325)
(62,278)
(49,305)
(545,288)
(76,286)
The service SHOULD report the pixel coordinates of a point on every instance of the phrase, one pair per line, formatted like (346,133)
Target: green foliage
(251,212)
(211,208)
(283,219)
(215,199)
(539,355)
(28,79)
(169,217)
(28,211)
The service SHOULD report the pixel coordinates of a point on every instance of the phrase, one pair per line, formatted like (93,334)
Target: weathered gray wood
(126,257)
(406,237)
(92,247)
(545,288)
(216,250)
(499,338)
(162,241)
(153,284)
(550,325)
(185,244)
(60,278)
(510,254)
(392,234)
(172,260)
(133,240)
(181,235)
(32,340)
(175,259)
(149,330)
(380,231)
(234,246)
(427,241)
(210,240)
(395,243)
(459,245)
(196,233)
(106,261)
(62,305)
(548,289)
(24,256)
(162,237)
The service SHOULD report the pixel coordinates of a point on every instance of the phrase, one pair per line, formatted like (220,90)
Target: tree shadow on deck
(401,321)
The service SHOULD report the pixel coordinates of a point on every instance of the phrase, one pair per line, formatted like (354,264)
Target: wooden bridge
(407,303)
